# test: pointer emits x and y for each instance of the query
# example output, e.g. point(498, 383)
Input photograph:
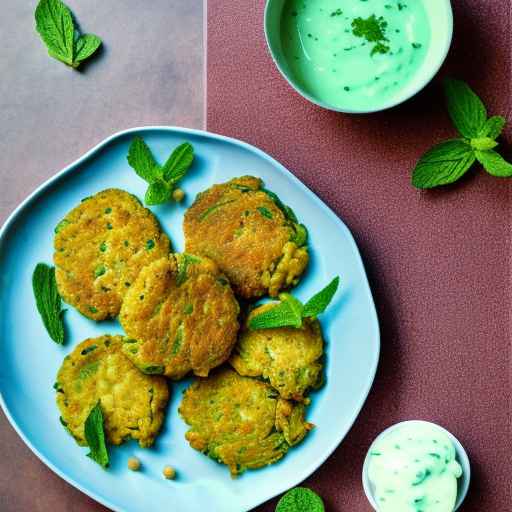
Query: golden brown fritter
point(133, 404)
point(100, 247)
point(181, 315)
point(250, 234)
point(289, 358)
point(241, 422)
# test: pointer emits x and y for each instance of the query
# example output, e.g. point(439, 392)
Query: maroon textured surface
point(438, 261)
point(149, 72)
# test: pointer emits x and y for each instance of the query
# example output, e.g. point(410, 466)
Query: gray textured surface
point(148, 72)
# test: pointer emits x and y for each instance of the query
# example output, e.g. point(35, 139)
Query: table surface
point(149, 72)
point(438, 262)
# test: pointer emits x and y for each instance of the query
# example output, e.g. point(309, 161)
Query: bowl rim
point(461, 457)
point(428, 77)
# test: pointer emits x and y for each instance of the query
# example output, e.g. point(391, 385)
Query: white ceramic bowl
point(440, 16)
point(461, 457)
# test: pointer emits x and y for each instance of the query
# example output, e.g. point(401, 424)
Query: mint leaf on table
point(290, 312)
point(443, 164)
point(493, 127)
point(466, 109)
point(48, 301)
point(55, 25)
point(162, 180)
point(85, 46)
point(300, 499)
point(95, 436)
point(494, 163)
point(448, 161)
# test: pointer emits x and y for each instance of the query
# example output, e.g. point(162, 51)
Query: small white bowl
point(461, 457)
point(440, 15)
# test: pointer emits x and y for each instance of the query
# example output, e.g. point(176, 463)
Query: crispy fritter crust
point(133, 404)
point(241, 228)
point(100, 247)
point(241, 422)
point(181, 315)
point(289, 358)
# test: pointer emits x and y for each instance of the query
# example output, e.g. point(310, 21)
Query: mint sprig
point(290, 312)
point(162, 180)
point(448, 161)
point(55, 25)
point(48, 301)
point(300, 499)
point(95, 436)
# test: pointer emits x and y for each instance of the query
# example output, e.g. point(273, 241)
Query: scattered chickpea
point(169, 473)
point(133, 463)
point(178, 195)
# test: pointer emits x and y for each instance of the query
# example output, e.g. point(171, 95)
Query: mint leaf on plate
point(319, 302)
point(48, 301)
point(300, 499)
point(141, 160)
point(466, 109)
point(290, 311)
point(178, 163)
point(162, 180)
point(494, 163)
point(95, 436)
point(443, 164)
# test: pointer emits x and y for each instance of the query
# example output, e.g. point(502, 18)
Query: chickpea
point(133, 463)
point(169, 473)
point(178, 195)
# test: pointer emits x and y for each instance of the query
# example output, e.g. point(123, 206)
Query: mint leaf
point(483, 143)
point(466, 109)
point(319, 302)
point(95, 436)
point(494, 163)
point(295, 304)
point(300, 499)
point(85, 46)
point(178, 163)
point(443, 164)
point(282, 314)
point(493, 127)
point(48, 301)
point(157, 193)
point(142, 161)
point(55, 26)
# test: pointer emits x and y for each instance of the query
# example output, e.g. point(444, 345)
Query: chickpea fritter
point(289, 358)
point(133, 404)
point(254, 238)
point(100, 247)
point(181, 316)
point(241, 422)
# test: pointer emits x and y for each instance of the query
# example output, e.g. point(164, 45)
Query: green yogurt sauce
point(413, 469)
point(354, 53)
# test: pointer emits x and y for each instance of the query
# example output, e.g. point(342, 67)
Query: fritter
point(289, 358)
point(253, 237)
point(241, 422)
point(133, 404)
point(100, 247)
point(180, 315)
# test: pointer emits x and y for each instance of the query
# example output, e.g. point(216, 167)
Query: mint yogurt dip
point(413, 468)
point(354, 53)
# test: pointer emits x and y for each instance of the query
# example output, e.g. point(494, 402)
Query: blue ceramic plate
point(29, 360)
